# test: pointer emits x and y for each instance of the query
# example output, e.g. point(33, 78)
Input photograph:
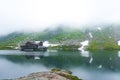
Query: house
point(33, 46)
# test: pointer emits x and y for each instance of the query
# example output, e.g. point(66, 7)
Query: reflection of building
point(32, 45)
point(34, 56)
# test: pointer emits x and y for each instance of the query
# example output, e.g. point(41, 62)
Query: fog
point(34, 15)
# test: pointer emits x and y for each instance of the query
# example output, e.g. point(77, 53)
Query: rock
point(54, 74)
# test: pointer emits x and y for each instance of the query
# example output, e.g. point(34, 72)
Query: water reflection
point(118, 53)
point(34, 56)
point(85, 53)
point(92, 62)
point(91, 59)
point(100, 66)
point(104, 59)
point(108, 60)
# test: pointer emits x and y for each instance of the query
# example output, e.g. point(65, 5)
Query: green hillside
point(106, 38)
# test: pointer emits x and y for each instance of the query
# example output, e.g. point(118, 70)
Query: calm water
point(99, 65)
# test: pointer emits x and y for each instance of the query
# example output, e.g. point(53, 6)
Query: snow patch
point(83, 52)
point(84, 44)
point(90, 34)
point(46, 44)
point(119, 43)
point(54, 45)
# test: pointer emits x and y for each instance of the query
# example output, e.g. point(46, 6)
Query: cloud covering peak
point(39, 14)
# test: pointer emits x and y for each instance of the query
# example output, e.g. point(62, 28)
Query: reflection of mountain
point(101, 60)
point(106, 59)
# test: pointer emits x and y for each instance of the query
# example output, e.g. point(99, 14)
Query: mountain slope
point(102, 37)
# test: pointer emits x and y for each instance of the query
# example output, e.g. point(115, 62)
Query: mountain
point(104, 37)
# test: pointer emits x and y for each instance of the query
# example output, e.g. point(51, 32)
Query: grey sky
point(39, 14)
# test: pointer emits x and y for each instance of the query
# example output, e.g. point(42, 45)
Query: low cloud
point(39, 14)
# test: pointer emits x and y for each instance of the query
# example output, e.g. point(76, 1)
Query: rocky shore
point(54, 74)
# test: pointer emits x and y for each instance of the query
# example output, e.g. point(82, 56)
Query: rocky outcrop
point(54, 74)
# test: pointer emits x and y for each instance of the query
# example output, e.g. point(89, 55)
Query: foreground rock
point(54, 74)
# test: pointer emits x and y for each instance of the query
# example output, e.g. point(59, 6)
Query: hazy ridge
point(104, 37)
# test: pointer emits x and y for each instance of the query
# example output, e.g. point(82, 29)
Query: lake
point(96, 65)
